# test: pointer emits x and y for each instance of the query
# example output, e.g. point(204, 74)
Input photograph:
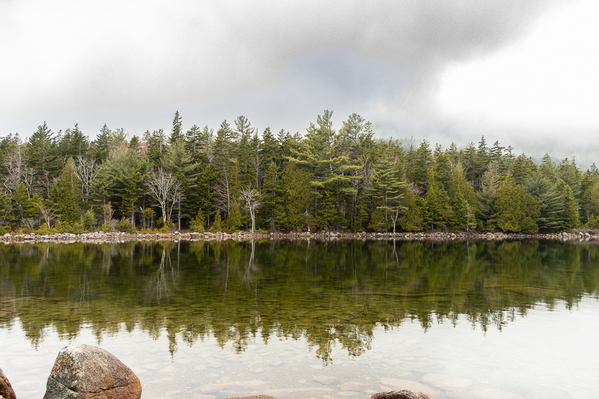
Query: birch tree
point(86, 171)
point(165, 189)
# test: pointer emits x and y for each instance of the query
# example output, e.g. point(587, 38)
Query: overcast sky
point(522, 72)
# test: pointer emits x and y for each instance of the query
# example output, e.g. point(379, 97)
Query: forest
point(237, 178)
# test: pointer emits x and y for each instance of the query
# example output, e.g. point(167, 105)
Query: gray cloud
point(131, 64)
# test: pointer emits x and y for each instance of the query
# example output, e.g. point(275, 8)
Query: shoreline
point(116, 237)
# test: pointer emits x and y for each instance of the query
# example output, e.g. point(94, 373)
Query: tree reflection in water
point(326, 292)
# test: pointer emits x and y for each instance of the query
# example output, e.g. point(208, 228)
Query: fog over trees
point(239, 178)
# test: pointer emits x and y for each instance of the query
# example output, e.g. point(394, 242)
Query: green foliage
point(89, 220)
point(199, 222)
point(297, 196)
point(378, 221)
point(570, 215)
point(233, 220)
point(414, 214)
point(109, 226)
point(549, 200)
point(485, 206)
point(516, 210)
point(329, 179)
point(67, 194)
point(217, 225)
point(125, 224)
point(593, 223)
point(147, 216)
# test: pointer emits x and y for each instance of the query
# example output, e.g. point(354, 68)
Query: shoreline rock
point(120, 237)
point(6, 391)
point(85, 371)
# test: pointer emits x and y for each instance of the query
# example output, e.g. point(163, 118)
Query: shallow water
point(297, 320)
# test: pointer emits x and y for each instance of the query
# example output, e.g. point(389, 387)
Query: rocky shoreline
point(115, 237)
point(86, 372)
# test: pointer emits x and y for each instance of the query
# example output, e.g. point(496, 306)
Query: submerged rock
point(85, 371)
point(6, 391)
point(403, 394)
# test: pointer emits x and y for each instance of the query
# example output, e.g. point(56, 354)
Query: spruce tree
point(177, 131)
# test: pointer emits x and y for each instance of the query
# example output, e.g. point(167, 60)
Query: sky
point(521, 73)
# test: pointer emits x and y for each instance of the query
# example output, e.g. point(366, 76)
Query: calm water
point(299, 320)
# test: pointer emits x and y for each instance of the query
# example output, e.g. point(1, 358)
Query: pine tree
point(388, 189)
point(549, 200)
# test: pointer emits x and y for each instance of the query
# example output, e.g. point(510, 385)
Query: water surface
point(310, 319)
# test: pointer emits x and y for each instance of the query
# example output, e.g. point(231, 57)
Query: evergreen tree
point(522, 169)
point(436, 205)
point(72, 144)
point(413, 219)
point(122, 179)
point(234, 219)
point(102, 145)
point(570, 215)
point(549, 201)
point(247, 172)
point(420, 166)
point(485, 206)
point(570, 174)
point(40, 153)
point(297, 196)
point(217, 226)
point(180, 163)
point(157, 146)
point(442, 168)
point(20, 208)
point(388, 189)
point(67, 194)
point(516, 210)
point(271, 194)
point(177, 131)
point(330, 169)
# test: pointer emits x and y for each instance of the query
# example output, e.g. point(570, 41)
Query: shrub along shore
point(102, 237)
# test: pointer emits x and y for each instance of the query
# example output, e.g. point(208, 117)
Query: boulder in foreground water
point(84, 371)
point(403, 394)
point(6, 391)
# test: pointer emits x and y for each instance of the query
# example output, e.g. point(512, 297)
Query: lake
point(486, 319)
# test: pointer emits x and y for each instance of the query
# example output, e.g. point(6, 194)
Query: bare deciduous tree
point(251, 197)
point(165, 189)
point(86, 171)
point(48, 212)
point(14, 164)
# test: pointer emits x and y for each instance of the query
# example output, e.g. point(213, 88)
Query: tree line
point(238, 178)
